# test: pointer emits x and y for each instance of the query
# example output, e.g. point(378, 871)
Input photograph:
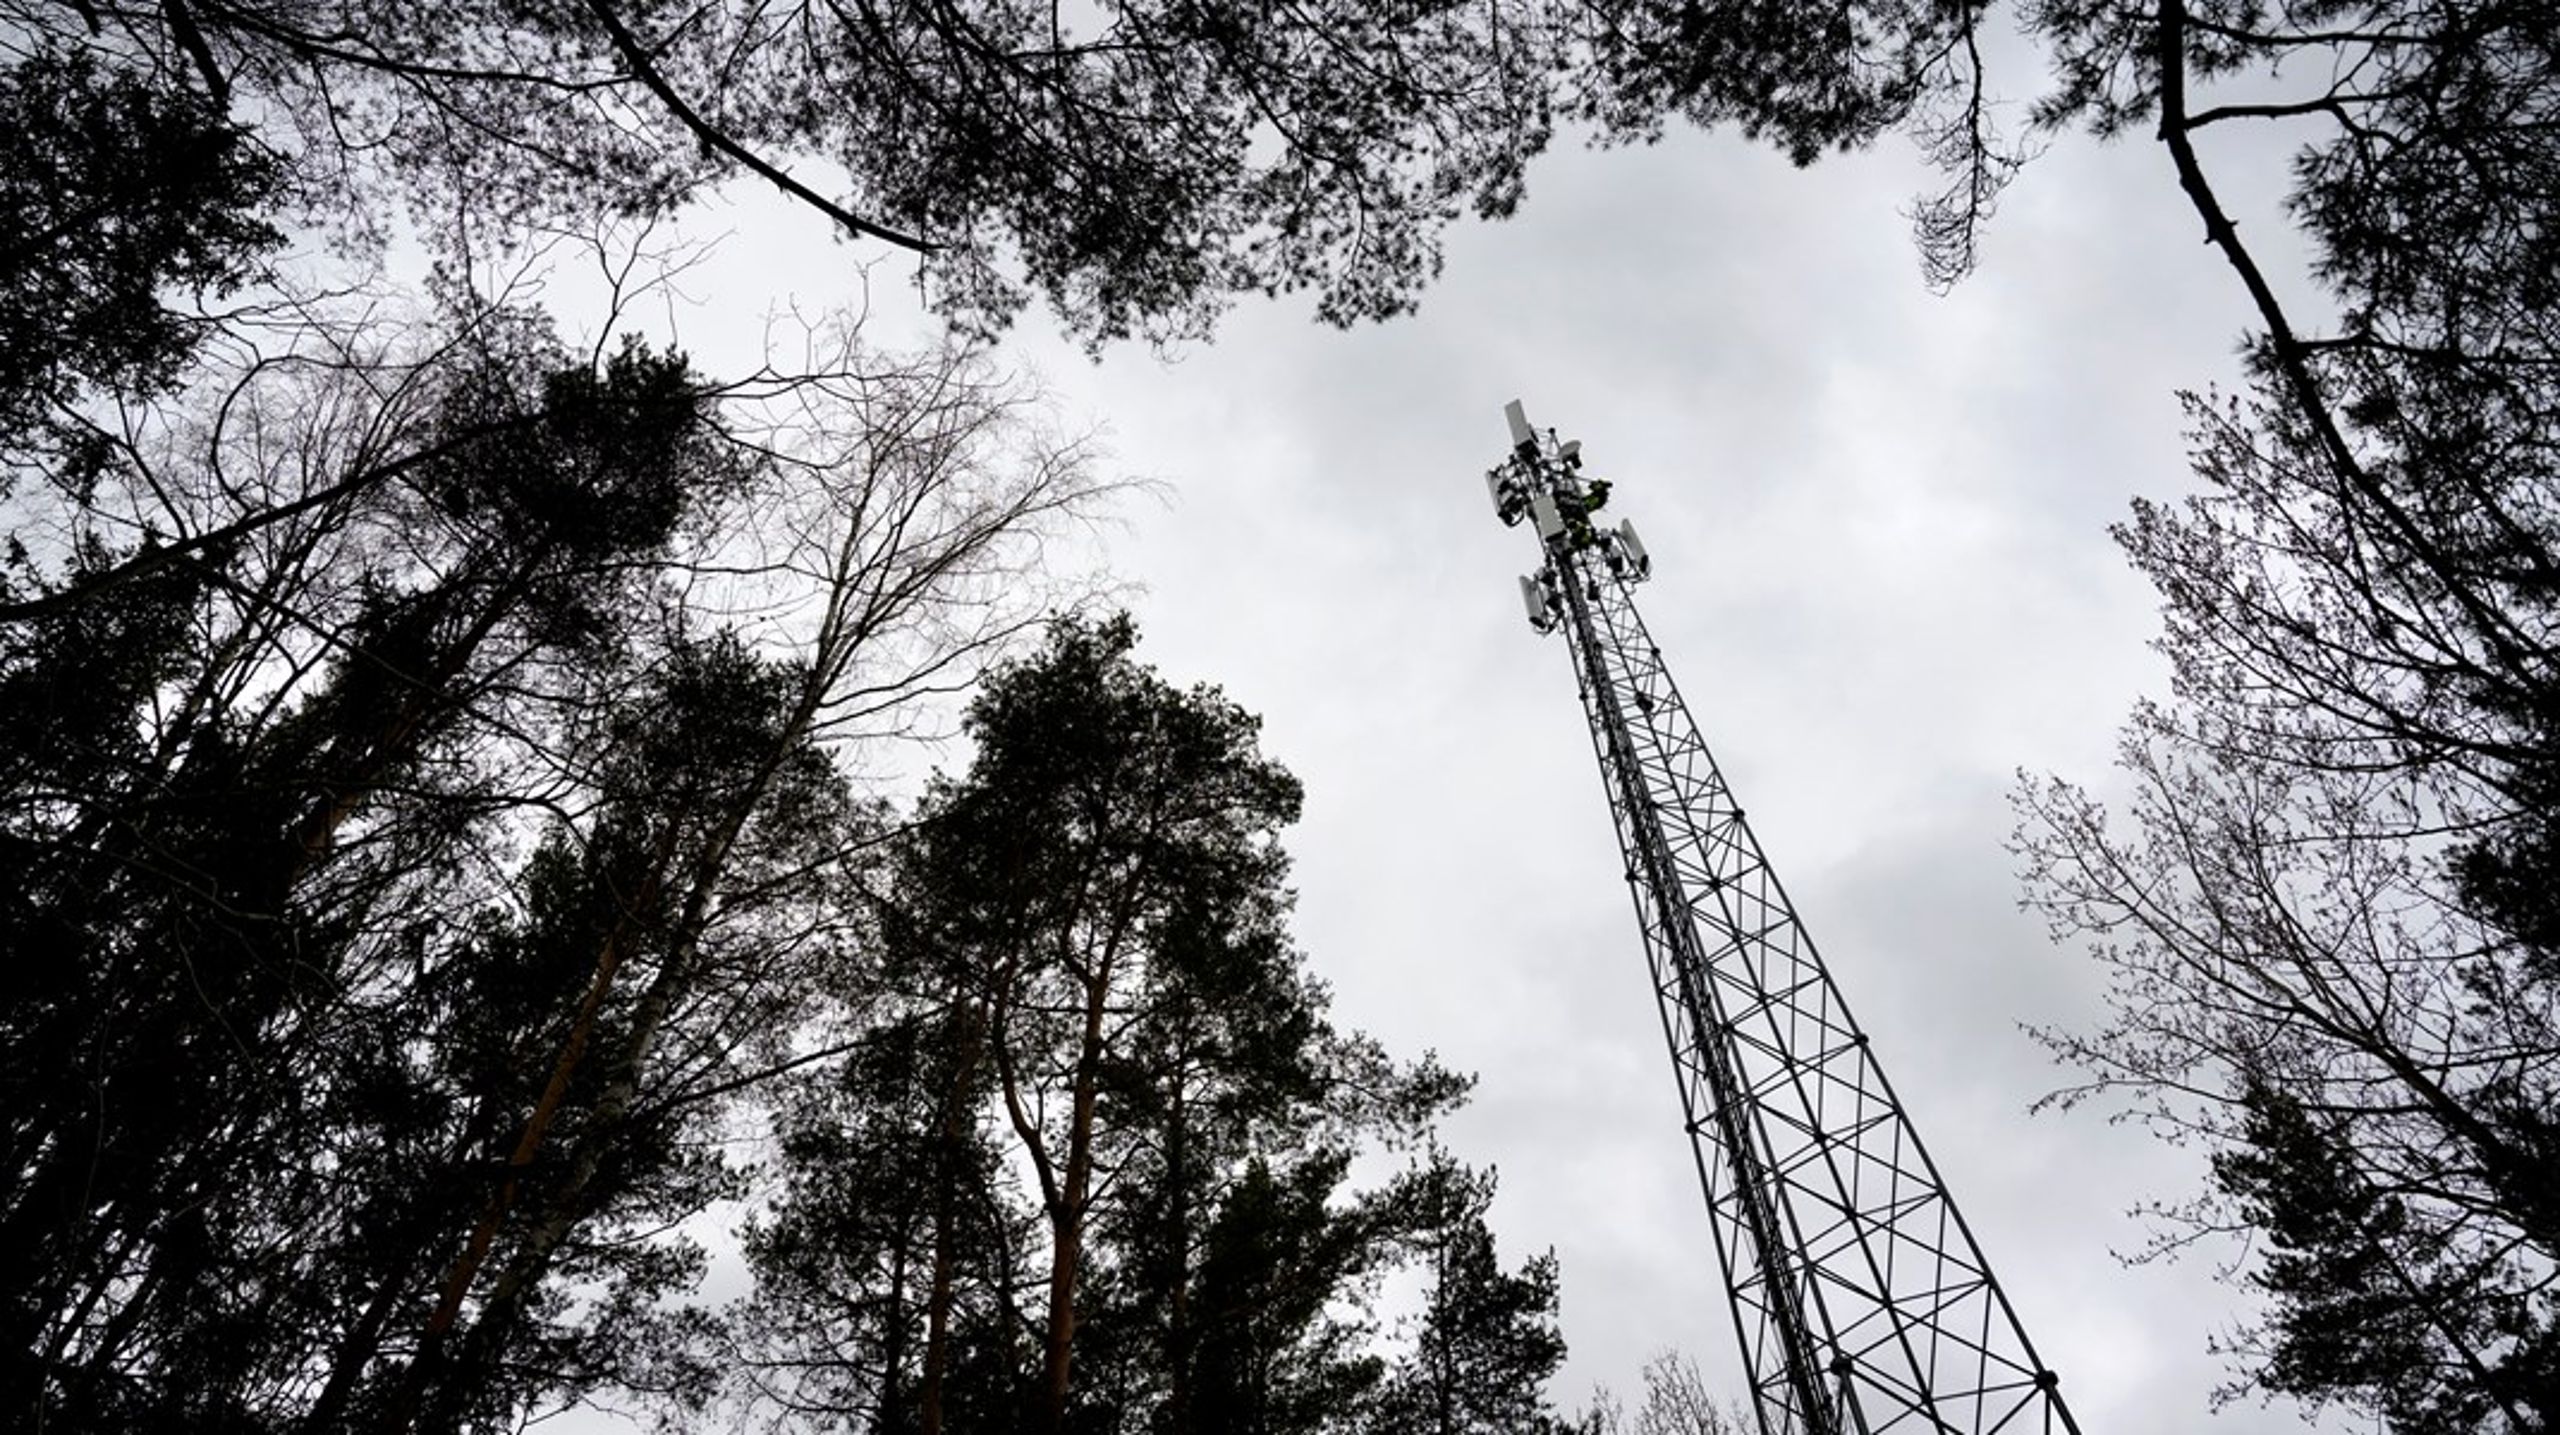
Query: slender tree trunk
point(1066, 1254)
point(569, 1206)
point(355, 1353)
point(967, 1034)
point(76, 1409)
point(464, 1270)
point(1177, 1238)
point(396, 1275)
point(937, 1329)
point(459, 1276)
point(1443, 1393)
point(892, 1415)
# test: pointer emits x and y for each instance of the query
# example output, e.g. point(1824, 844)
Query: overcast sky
point(1878, 522)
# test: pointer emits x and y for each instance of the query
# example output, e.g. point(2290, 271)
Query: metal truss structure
point(1863, 1303)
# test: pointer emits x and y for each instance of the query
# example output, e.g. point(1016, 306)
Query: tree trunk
point(937, 1327)
point(967, 1031)
point(570, 1205)
point(1066, 1222)
point(355, 1353)
point(1177, 1239)
point(891, 1417)
point(676, 967)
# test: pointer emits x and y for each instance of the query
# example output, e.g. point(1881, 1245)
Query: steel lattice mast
point(1863, 1303)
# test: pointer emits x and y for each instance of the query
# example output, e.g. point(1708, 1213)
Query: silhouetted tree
point(894, 1246)
point(211, 914)
point(2367, 1299)
point(1485, 1342)
point(1112, 838)
point(119, 196)
point(1092, 1031)
point(327, 1108)
point(1267, 1347)
point(2329, 924)
point(1677, 1402)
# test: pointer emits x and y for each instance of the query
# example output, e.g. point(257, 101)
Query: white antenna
point(1635, 547)
point(1542, 610)
point(1523, 437)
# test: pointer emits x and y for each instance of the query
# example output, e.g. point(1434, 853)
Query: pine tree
point(1086, 977)
point(1485, 1342)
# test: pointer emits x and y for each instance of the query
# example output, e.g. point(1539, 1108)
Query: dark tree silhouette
point(2330, 923)
point(1089, 1168)
point(118, 196)
point(327, 1106)
point(1485, 1342)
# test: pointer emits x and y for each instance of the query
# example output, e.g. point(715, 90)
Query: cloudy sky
point(1882, 578)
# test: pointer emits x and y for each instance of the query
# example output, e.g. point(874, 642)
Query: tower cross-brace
point(1863, 1303)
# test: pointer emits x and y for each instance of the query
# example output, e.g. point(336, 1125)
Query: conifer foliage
point(1115, 1196)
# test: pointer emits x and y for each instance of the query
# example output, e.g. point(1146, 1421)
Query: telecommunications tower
point(1863, 1304)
